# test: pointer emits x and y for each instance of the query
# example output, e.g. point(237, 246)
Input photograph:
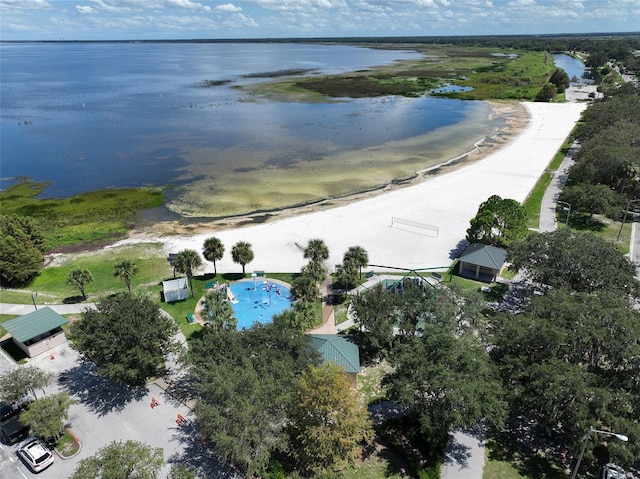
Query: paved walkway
point(464, 455)
point(550, 199)
point(20, 309)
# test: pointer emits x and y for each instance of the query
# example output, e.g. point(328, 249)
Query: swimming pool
point(258, 301)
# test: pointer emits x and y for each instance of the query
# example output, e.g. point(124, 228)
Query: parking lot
point(108, 412)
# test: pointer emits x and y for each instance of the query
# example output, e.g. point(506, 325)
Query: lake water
point(573, 67)
point(88, 116)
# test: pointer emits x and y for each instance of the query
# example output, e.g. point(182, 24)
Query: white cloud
point(187, 4)
point(21, 5)
point(85, 9)
point(229, 8)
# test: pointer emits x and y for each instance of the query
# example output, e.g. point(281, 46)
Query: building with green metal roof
point(37, 331)
point(340, 351)
point(482, 262)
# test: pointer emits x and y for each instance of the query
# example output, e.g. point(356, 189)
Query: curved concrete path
point(549, 203)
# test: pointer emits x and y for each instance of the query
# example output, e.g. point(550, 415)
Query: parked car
point(7, 411)
point(35, 454)
point(12, 430)
point(612, 471)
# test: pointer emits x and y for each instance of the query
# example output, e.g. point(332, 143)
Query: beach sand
point(445, 202)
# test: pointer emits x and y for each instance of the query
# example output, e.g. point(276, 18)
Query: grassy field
point(489, 76)
point(82, 219)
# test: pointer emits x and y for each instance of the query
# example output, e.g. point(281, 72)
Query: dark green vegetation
point(519, 76)
point(127, 337)
point(83, 219)
point(21, 250)
point(499, 222)
point(122, 459)
point(604, 178)
point(569, 360)
point(244, 382)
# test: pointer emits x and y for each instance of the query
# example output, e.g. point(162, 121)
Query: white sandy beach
point(447, 200)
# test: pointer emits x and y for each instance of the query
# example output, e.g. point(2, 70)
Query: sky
point(245, 19)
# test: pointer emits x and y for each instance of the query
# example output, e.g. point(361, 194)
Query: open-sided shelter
point(38, 331)
point(482, 262)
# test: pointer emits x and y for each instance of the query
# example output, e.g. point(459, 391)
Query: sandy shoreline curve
point(441, 203)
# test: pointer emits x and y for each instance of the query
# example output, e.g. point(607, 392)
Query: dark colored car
point(7, 411)
point(612, 471)
point(13, 430)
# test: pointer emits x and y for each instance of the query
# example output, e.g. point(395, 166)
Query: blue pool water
point(259, 303)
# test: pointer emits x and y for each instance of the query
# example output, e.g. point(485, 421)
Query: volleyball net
point(414, 226)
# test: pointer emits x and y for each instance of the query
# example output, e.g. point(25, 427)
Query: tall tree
point(125, 270)
point(304, 288)
point(244, 379)
point(185, 262)
point(213, 251)
point(358, 255)
point(446, 381)
point(547, 93)
point(347, 274)
point(218, 312)
point(565, 362)
point(329, 424)
point(242, 253)
point(560, 80)
point(316, 250)
point(45, 416)
point(21, 250)
point(79, 279)
point(499, 222)
point(299, 317)
point(17, 382)
point(579, 261)
point(129, 459)
point(126, 336)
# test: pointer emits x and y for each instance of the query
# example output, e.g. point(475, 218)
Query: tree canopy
point(328, 422)
point(217, 311)
point(244, 381)
point(316, 250)
point(18, 382)
point(186, 262)
point(21, 250)
point(45, 416)
point(499, 222)
point(575, 260)
point(358, 256)
point(242, 253)
point(213, 251)
point(127, 336)
point(126, 460)
point(125, 270)
point(79, 279)
point(570, 360)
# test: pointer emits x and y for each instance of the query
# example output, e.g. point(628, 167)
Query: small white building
point(175, 290)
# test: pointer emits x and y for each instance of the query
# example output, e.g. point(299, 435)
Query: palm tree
point(125, 270)
point(358, 256)
point(79, 278)
point(304, 288)
point(316, 250)
point(219, 311)
point(185, 262)
point(213, 251)
point(242, 253)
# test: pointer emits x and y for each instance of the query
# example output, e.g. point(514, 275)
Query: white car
point(35, 454)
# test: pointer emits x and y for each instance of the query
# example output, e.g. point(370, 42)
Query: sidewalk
point(20, 309)
point(551, 195)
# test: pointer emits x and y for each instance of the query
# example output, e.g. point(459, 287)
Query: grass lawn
point(501, 464)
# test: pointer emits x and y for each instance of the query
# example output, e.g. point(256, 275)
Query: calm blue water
point(92, 116)
point(573, 67)
point(260, 303)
